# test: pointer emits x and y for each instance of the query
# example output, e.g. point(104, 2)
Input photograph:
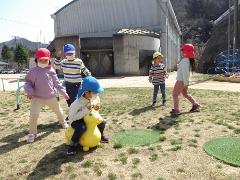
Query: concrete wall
point(126, 52)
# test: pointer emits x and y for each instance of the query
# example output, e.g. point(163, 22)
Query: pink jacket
point(40, 83)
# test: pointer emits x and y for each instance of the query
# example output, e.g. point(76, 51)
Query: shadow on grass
point(12, 140)
point(168, 121)
point(165, 123)
point(51, 163)
point(136, 112)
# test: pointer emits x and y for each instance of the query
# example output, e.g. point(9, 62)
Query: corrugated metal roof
point(106, 17)
point(121, 10)
point(64, 7)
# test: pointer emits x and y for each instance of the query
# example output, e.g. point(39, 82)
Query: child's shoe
point(64, 125)
point(66, 119)
point(104, 139)
point(72, 150)
point(195, 107)
point(31, 138)
point(164, 102)
point(174, 112)
point(154, 103)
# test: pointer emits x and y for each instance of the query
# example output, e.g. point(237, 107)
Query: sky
point(30, 19)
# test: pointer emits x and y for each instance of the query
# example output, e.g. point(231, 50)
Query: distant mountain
point(29, 44)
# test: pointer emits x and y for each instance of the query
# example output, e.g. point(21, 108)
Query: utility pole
point(15, 38)
point(229, 30)
point(167, 58)
point(235, 28)
point(40, 38)
point(235, 32)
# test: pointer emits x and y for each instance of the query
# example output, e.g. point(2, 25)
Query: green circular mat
point(136, 137)
point(226, 149)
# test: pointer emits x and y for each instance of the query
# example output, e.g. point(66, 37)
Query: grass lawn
point(225, 149)
point(177, 154)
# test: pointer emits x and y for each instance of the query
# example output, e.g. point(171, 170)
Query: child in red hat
point(39, 87)
point(183, 74)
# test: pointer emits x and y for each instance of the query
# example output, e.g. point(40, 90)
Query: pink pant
point(177, 90)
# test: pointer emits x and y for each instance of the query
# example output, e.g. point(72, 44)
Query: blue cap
point(90, 83)
point(68, 48)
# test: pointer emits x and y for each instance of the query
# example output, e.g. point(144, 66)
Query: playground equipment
point(91, 138)
point(18, 97)
point(19, 88)
point(227, 61)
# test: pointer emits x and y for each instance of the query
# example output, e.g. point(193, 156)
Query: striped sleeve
point(84, 70)
point(73, 70)
point(57, 64)
point(150, 73)
point(164, 70)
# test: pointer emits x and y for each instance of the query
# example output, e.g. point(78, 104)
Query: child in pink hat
point(183, 73)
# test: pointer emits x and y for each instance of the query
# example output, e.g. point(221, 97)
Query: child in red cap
point(39, 87)
point(183, 73)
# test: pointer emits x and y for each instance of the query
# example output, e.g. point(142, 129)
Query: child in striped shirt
point(73, 68)
point(56, 62)
point(157, 75)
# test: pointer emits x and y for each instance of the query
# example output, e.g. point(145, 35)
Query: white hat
point(156, 54)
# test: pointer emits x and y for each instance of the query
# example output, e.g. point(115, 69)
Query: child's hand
point(66, 97)
point(89, 107)
point(97, 107)
point(167, 75)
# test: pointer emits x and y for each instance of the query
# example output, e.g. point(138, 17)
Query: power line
point(27, 24)
point(21, 22)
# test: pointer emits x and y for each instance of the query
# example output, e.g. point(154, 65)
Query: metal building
point(118, 37)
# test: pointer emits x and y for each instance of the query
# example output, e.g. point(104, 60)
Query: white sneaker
point(31, 137)
point(65, 125)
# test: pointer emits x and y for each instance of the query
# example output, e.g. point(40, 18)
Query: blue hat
point(68, 48)
point(90, 83)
